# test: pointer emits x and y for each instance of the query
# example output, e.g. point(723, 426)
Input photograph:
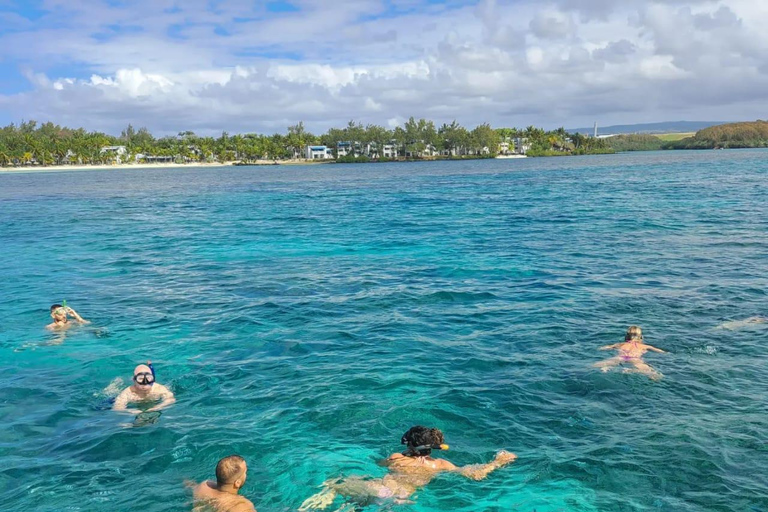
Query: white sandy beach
point(97, 167)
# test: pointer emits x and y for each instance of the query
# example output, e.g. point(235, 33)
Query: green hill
point(731, 135)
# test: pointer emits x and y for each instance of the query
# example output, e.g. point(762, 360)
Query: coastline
point(173, 165)
point(165, 165)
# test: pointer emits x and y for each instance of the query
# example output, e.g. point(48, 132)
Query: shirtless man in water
point(408, 471)
point(631, 351)
point(222, 495)
point(60, 315)
point(144, 389)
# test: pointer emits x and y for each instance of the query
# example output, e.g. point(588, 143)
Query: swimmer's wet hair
point(420, 436)
point(55, 307)
point(634, 333)
point(228, 469)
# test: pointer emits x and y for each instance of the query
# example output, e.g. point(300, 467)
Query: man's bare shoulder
point(244, 505)
point(444, 465)
point(206, 492)
point(392, 460)
point(202, 490)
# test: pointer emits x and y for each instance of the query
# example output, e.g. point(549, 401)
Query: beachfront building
point(153, 159)
point(421, 149)
point(114, 153)
point(521, 145)
point(318, 153)
point(457, 151)
point(371, 150)
point(344, 148)
point(389, 151)
point(71, 158)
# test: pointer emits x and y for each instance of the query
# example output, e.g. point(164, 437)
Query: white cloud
point(509, 63)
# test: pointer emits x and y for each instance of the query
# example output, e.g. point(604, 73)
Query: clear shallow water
point(307, 316)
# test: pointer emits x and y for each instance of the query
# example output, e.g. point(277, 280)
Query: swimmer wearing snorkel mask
point(409, 470)
point(144, 389)
point(60, 314)
point(631, 351)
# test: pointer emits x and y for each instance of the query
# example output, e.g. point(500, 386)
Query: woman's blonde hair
point(634, 333)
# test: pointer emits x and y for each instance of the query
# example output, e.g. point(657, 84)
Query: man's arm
point(77, 317)
point(122, 400)
point(480, 471)
point(166, 395)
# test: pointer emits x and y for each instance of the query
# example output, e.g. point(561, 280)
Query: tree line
point(50, 144)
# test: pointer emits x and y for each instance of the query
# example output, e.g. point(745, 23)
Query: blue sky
point(244, 66)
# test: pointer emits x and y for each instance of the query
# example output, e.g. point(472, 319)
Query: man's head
point(231, 471)
point(422, 440)
point(143, 378)
point(59, 313)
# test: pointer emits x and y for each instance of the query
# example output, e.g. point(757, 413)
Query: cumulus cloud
point(237, 66)
point(552, 25)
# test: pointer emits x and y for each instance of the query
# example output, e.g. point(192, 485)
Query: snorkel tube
point(430, 447)
point(151, 368)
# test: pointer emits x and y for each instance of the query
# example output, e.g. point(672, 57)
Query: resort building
point(521, 145)
point(318, 153)
point(114, 152)
point(371, 150)
point(388, 151)
point(421, 150)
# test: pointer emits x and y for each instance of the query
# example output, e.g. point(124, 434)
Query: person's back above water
point(60, 314)
point(408, 471)
point(631, 351)
point(222, 495)
point(144, 389)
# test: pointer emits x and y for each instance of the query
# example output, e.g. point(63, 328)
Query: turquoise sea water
point(306, 317)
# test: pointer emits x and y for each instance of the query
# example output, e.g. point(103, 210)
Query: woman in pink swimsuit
point(631, 351)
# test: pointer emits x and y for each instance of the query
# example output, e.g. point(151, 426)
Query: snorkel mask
point(61, 310)
point(145, 378)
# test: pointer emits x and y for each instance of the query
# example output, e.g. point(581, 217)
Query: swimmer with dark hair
point(631, 351)
point(408, 471)
point(144, 389)
point(60, 314)
point(222, 495)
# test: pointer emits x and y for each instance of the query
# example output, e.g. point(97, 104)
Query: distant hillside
point(634, 142)
point(668, 127)
point(730, 135)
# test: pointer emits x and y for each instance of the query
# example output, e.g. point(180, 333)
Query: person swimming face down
point(420, 441)
point(408, 471)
